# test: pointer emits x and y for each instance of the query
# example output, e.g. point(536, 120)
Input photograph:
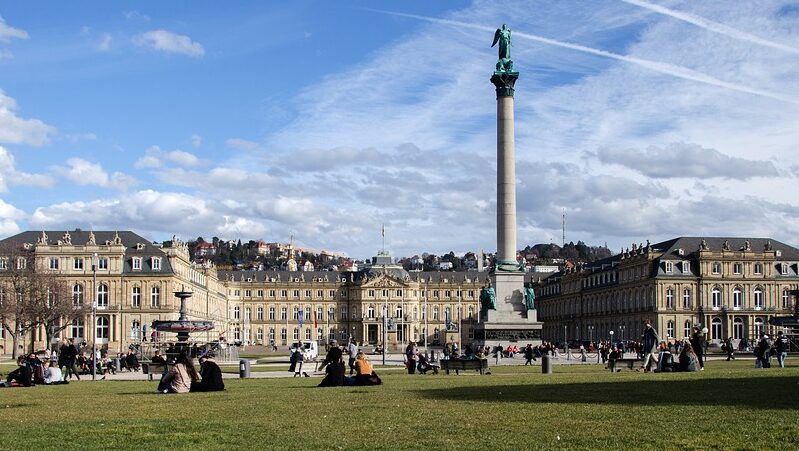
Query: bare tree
point(59, 309)
point(20, 293)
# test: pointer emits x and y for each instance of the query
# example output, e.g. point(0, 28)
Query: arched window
point(259, 315)
point(716, 298)
point(283, 335)
point(77, 328)
point(237, 313)
point(296, 333)
point(670, 329)
point(686, 298)
point(248, 314)
point(370, 312)
point(716, 329)
point(669, 298)
point(738, 331)
point(259, 335)
point(435, 333)
point(102, 296)
point(102, 328)
point(687, 329)
point(398, 311)
point(786, 299)
point(135, 330)
point(435, 313)
point(758, 328)
point(135, 297)
point(758, 295)
point(77, 294)
point(308, 334)
point(737, 298)
point(155, 297)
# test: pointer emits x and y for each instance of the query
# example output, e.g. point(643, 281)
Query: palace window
point(737, 268)
point(669, 298)
point(53, 263)
point(155, 262)
point(135, 297)
point(758, 328)
point(669, 267)
point(3, 263)
point(758, 295)
point(77, 328)
point(136, 263)
point(308, 334)
point(247, 293)
point(272, 293)
point(307, 293)
point(758, 268)
point(271, 334)
point(343, 312)
point(237, 313)
point(783, 269)
point(370, 293)
point(331, 314)
point(102, 328)
point(259, 335)
point(715, 328)
point(77, 294)
point(283, 313)
point(670, 329)
point(247, 314)
point(296, 314)
point(320, 294)
point(260, 293)
point(398, 311)
point(102, 263)
point(320, 313)
point(686, 298)
point(296, 293)
point(737, 299)
point(102, 296)
point(399, 293)
point(738, 328)
point(271, 313)
point(435, 313)
point(687, 329)
point(716, 268)
point(686, 267)
point(370, 312)
point(77, 264)
point(716, 298)
point(155, 297)
point(284, 293)
point(283, 334)
point(786, 299)
point(308, 312)
point(259, 313)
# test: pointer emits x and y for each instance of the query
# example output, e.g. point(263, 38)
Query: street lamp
point(94, 316)
point(621, 330)
point(611, 338)
point(385, 336)
point(591, 333)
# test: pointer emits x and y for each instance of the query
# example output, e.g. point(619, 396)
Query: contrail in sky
point(710, 25)
point(656, 66)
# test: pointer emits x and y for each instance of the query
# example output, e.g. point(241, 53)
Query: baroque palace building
point(134, 286)
point(136, 279)
point(732, 286)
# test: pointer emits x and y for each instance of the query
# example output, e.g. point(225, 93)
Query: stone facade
point(135, 281)
point(732, 286)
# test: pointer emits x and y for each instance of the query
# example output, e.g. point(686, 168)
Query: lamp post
point(704, 331)
point(591, 334)
point(385, 336)
point(425, 320)
point(94, 317)
point(621, 330)
point(611, 338)
point(564, 340)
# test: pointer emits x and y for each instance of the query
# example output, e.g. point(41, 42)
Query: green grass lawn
point(729, 406)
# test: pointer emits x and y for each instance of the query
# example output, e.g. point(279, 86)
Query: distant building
point(732, 286)
point(544, 268)
point(204, 249)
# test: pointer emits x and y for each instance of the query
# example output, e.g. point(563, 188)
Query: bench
point(150, 368)
point(629, 362)
point(457, 364)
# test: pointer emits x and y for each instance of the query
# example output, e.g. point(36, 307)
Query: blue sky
point(324, 120)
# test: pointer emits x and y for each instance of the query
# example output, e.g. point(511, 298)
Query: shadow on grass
point(759, 392)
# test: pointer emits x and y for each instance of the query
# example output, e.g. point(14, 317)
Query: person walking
point(410, 354)
point(352, 349)
point(698, 346)
point(730, 349)
point(528, 355)
point(70, 358)
point(650, 343)
point(763, 352)
point(781, 347)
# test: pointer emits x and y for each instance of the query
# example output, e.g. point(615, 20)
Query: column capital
point(504, 81)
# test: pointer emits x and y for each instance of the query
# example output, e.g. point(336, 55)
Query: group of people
point(31, 371)
point(766, 348)
point(182, 377)
point(361, 370)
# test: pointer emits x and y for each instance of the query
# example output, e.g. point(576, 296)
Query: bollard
point(546, 364)
point(118, 364)
point(244, 369)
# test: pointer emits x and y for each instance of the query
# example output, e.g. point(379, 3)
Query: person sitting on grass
point(53, 375)
point(365, 374)
point(334, 367)
point(22, 376)
point(158, 359)
point(688, 360)
point(211, 376)
point(178, 379)
point(665, 359)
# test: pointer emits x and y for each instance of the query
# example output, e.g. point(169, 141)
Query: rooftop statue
point(503, 36)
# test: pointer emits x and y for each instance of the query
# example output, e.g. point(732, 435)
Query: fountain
point(183, 326)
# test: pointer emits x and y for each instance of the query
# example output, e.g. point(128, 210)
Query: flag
point(383, 230)
point(302, 314)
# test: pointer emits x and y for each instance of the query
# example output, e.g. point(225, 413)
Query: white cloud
point(83, 172)
point(147, 161)
point(7, 32)
point(196, 141)
point(105, 42)
point(169, 42)
point(182, 158)
point(15, 130)
point(136, 15)
point(6, 54)
point(10, 176)
point(242, 144)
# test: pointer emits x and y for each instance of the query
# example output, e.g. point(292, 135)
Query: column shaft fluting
point(506, 181)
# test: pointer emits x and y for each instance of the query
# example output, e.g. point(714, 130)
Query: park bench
point(629, 362)
point(150, 368)
point(457, 364)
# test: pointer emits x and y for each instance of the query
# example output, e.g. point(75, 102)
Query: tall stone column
point(506, 172)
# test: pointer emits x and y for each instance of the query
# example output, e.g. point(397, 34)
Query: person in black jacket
point(211, 376)
point(335, 368)
point(650, 342)
point(698, 345)
point(781, 347)
point(23, 375)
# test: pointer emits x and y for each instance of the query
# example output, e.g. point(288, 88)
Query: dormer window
point(783, 268)
point(669, 267)
point(686, 267)
point(156, 263)
point(137, 263)
point(21, 263)
point(139, 246)
point(3, 263)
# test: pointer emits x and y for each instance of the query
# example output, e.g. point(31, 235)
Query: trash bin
point(117, 364)
point(244, 369)
point(546, 364)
